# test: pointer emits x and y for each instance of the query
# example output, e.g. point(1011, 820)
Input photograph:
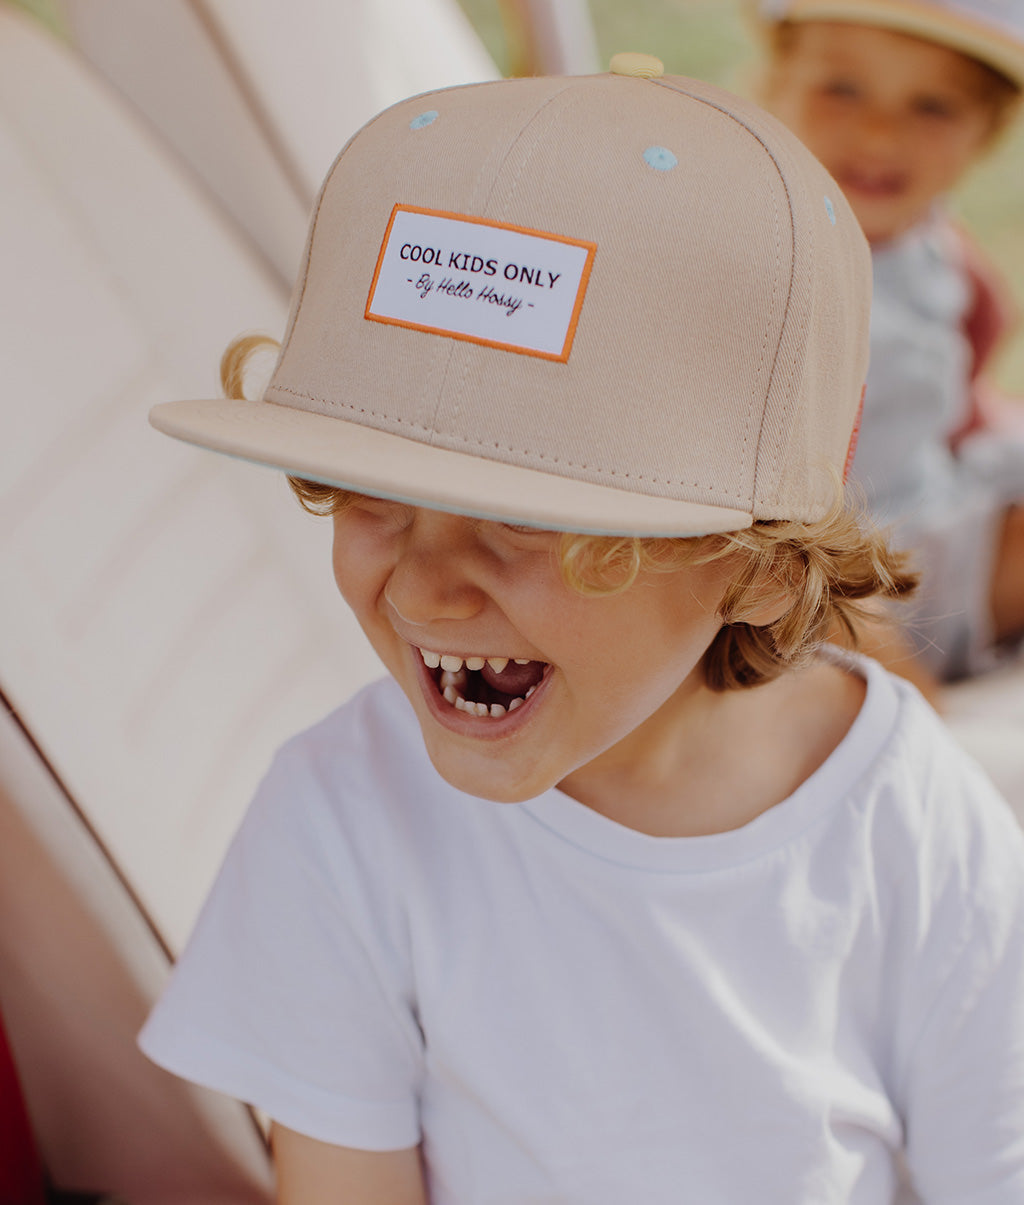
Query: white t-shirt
point(565, 1010)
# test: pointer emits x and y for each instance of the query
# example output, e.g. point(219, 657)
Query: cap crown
point(705, 366)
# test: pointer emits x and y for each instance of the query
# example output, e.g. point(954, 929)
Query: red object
point(851, 450)
point(991, 316)
point(21, 1176)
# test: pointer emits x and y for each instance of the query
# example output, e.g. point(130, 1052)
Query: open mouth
point(484, 686)
point(880, 184)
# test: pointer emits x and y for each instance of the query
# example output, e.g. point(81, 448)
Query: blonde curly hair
point(825, 571)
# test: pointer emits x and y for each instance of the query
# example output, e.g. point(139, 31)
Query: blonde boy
point(898, 98)
point(620, 887)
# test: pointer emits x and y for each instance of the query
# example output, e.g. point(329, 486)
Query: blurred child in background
point(898, 100)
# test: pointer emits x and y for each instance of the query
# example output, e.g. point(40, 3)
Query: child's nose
point(879, 131)
point(437, 574)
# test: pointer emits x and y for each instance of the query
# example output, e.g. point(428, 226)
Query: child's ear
point(1004, 115)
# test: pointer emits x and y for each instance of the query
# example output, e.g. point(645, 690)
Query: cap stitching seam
point(514, 182)
point(757, 496)
point(486, 443)
point(764, 342)
point(452, 364)
point(767, 499)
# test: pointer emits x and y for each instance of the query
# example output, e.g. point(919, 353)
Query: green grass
point(710, 39)
point(47, 11)
point(991, 203)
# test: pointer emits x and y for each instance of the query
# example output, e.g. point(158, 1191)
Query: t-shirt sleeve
point(294, 991)
point(964, 1079)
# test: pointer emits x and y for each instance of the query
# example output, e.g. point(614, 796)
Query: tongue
point(514, 679)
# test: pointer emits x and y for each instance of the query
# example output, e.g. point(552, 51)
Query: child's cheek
point(356, 568)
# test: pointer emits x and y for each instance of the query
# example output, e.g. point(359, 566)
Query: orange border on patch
point(561, 357)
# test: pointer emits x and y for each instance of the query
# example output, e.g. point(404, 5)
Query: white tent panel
point(349, 60)
point(79, 971)
point(167, 617)
point(986, 715)
point(259, 98)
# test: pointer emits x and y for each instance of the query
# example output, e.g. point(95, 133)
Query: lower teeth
point(495, 710)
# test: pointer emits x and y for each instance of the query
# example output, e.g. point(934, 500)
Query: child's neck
point(925, 220)
point(708, 762)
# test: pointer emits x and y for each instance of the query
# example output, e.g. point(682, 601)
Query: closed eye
point(396, 514)
point(935, 106)
point(841, 89)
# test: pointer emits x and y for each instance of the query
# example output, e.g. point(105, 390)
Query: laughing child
point(620, 887)
point(898, 98)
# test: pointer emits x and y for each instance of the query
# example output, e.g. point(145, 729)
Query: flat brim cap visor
point(701, 369)
point(382, 465)
point(991, 31)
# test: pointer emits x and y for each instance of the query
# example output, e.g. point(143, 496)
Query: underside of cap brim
point(370, 461)
point(933, 22)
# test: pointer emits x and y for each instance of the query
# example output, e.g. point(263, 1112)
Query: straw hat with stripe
point(991, 31)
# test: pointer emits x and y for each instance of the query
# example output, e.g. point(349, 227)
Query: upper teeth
point(453, 682)
point(453, 664)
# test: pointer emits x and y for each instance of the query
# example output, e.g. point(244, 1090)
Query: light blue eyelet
point(424, 119)
point(830, 210)
point(660, 158)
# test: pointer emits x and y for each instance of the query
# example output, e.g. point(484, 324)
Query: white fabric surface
point(289, 83)
point(986, 715)
point(139, 574)
point(568, 1010)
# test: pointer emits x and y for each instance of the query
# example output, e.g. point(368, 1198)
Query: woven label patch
point(486, 282)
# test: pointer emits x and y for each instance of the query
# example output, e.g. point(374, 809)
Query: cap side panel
point(811, 399)
point(826, 347)
point(299, 288)
point(779, 425)
point(781, 367)
point(668, 374)
point(778, 412)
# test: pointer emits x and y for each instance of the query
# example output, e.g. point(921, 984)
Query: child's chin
point(881, 224)
point(493, 786)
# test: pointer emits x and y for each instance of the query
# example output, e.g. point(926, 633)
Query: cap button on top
point(641, 66)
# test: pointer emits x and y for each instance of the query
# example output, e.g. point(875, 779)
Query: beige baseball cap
point(619, 304)
point(991, 31)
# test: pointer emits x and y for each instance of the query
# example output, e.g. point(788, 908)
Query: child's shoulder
point(361, 776)
point(369, 748)
point(924, 800)
point(911, 748)
point(376, 716)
